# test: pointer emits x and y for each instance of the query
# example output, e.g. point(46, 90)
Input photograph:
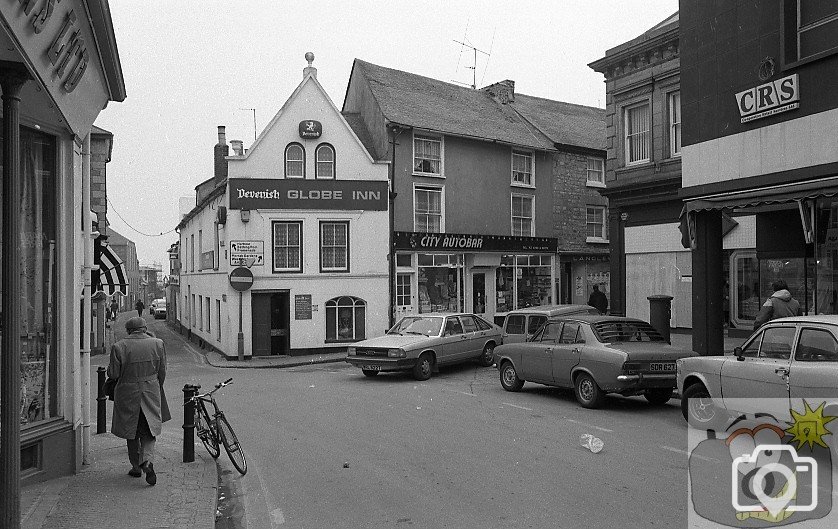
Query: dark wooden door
point(261, 309)
point(280, 323)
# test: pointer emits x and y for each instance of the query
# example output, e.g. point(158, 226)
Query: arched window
point(295, 161)
point(346, 319)
point(325, 161)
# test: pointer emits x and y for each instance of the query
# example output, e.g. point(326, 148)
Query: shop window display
point(523, 281)
point(39, 387)
point(440, 283)
point(827, 258)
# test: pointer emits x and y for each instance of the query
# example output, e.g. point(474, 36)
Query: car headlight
point(396, 353)
point(350, 351)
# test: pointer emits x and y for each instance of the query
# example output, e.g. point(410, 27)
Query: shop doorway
point(271, 321)
point(478, 293)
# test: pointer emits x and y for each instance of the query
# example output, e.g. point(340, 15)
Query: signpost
point(241, 279)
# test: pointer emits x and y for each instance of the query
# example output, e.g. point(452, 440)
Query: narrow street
point(328, 447)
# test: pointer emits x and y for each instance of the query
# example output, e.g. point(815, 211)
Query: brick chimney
point(238, 147)
point(503, 91)
point(222, 150)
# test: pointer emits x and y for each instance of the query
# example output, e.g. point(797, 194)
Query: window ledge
point(594, 183)
point(428, 175)
point(597, 240)
point(525, 186)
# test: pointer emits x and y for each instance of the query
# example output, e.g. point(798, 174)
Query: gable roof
point(425, 103)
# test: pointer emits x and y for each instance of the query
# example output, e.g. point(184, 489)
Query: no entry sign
point(241, 279)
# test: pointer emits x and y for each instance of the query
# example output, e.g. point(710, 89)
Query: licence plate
point(662, 366)
point(371, 368)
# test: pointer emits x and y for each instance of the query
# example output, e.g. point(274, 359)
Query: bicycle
point(212, 430)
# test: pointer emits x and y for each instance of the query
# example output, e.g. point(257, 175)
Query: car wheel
point(488, 356)
point(587, 391)
point(658, 396)
point(369, 372)
point(509, 377)
point(698, 408)
point(424, 366)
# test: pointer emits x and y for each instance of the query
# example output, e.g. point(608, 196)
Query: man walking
point(598, 300)
point(779, 305)
point(139, 305)
point(138, 363)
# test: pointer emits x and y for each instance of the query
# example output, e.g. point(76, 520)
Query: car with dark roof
point(594, 355)
point(421, 343)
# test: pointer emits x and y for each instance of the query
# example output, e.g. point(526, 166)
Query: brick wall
point(99, 148)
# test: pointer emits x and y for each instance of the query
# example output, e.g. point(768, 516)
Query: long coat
point(138, 362)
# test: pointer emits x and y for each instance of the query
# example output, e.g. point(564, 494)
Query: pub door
point(261, 317)
point(280, 320)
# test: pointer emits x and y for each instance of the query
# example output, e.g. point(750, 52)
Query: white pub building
point(305, 210)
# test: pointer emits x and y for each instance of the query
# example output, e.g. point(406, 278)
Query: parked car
point(594, 355)
point(519, 325)
point(784, 361)
point(158, 308)
point(420, 343)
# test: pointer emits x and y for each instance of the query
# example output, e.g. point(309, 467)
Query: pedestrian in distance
point(779, 305)
point(138, 364)
point(114, 308)
point(139, 305)
point(598, 300)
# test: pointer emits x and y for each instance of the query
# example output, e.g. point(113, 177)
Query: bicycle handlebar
point(217, 387)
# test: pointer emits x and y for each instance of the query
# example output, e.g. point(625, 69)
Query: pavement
point(217, 359)
point(102, 495)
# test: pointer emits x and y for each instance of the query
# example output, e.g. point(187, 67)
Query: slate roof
point(426, 103)
point(564, 123)
point(356, 122)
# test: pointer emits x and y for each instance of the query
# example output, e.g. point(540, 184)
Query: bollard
point(101, 403)
point(189, 391)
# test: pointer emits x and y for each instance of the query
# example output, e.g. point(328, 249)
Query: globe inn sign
point(263, 193)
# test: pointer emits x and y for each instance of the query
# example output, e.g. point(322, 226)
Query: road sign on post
point(241, 279)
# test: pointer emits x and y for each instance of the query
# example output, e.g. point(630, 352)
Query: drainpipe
point(87, 319)
point(396, 130)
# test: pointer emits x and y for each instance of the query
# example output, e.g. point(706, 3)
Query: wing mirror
point(739, 355)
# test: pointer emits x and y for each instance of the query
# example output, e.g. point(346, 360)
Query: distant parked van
point(521, 324)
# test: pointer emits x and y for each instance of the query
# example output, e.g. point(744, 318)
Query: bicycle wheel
point(231, 444)
point(206, 431)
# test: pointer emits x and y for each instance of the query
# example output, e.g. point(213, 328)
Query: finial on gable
point(310, 70)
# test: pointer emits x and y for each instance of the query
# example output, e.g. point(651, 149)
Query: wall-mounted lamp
point(245, 213)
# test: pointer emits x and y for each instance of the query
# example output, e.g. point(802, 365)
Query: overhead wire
point(110, 204)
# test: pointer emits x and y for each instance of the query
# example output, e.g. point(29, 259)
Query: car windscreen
point(626, 331)
point(417, 325)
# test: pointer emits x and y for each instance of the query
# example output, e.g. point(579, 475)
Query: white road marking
point(464, 393)
point(688, 454)
point(516, 406)
point(600, 428)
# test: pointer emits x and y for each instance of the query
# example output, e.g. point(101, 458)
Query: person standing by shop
point(598, 300)
point(779, 305)
point(138, 364)
point(139, 305)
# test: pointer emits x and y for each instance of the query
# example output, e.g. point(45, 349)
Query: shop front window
point(38, 264)
point(345, 319)
point(440, 283)
point(827, 258)
point(524, 281)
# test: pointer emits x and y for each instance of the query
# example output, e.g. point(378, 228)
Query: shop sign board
point(302, 306)
point(274, 193)
point(310, 129)
point(769, 99)
point(241, 251)
point(458, 242)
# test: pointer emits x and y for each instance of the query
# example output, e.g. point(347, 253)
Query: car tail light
point(396, 353)
point(631, 368)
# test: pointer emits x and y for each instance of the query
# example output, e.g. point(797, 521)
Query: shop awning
point(800, 192)
point(779, 194)
point(112, 276)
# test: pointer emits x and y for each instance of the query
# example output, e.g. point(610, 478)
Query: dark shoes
point(135, 472)
point(150, 476)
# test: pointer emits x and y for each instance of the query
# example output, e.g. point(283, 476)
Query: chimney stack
point(238, 147)
point(503, 91)
point(310, 69)
point(222, 150)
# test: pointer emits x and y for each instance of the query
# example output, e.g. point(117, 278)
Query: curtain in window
point(325, 163)
point(521, 168)
point(637, 133)
point(294, 161)
point(521, 216)
point(428, 210)
point(427, 154)
point(334, 246)
point(286, 246)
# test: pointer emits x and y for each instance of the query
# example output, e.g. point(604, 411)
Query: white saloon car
point(786, 360)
